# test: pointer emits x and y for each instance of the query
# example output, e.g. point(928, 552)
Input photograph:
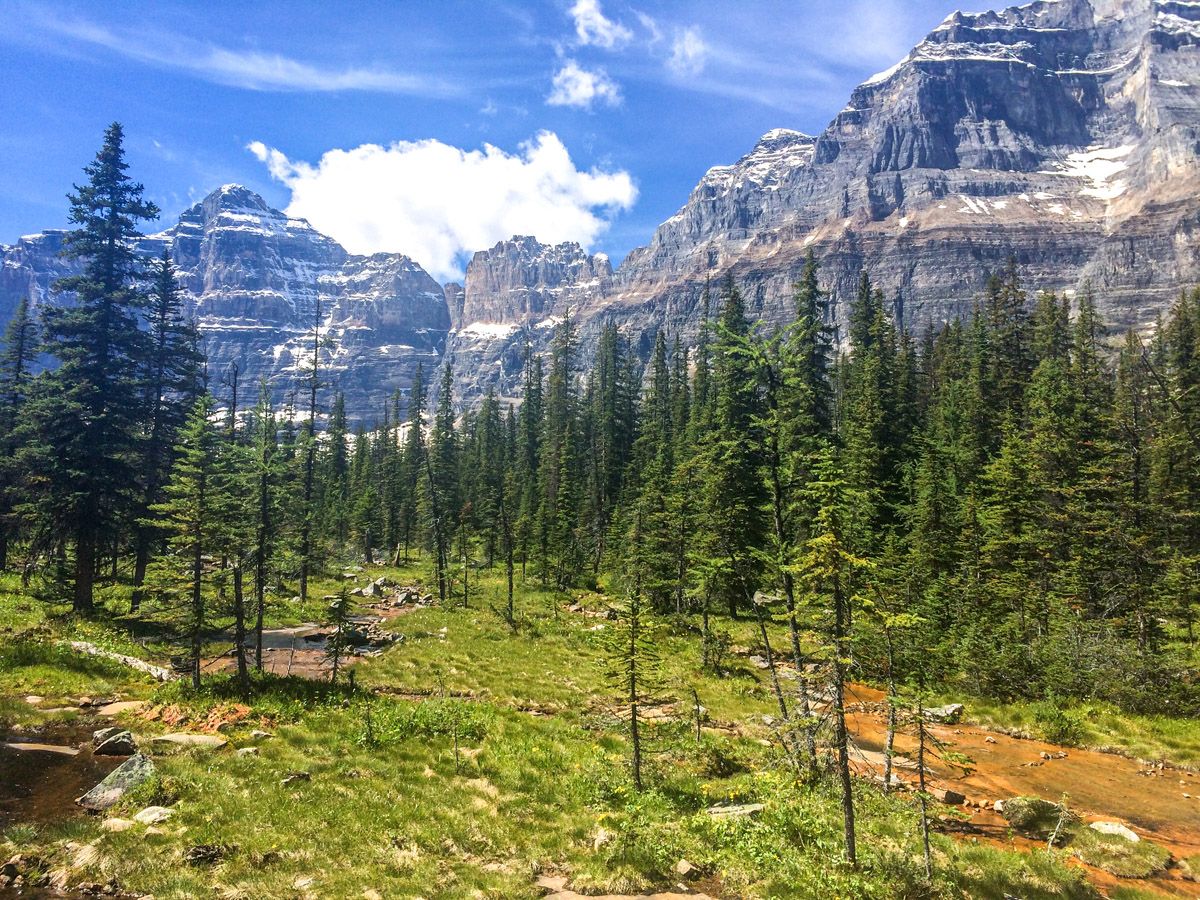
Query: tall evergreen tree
point(87, 413)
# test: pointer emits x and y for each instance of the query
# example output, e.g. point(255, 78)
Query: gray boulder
point(132, 773)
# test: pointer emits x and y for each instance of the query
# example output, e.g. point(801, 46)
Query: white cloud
point(438, 203)
point(247, 69)
point(651, 26)
point(689, 52)
point(576, 86)
point(593, 27)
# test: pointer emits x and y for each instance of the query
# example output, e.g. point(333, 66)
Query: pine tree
point(442, 475)
point(734, 495)
point(85, 421)
point(17, 356)
point(189, 515)
point(171, 385)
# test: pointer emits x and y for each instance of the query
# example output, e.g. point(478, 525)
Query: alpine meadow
point(841, 541)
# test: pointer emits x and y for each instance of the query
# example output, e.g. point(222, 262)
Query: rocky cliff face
point(258, 282)
point(1064, 132)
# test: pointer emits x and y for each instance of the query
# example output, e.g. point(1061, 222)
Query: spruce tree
point(18, 351)
point(171, 384)
point(87, 418)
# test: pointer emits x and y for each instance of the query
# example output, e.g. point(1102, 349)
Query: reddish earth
point(1098, 786)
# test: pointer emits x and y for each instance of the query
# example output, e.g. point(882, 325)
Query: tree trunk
point(922, 798)
point(85, 570)
point(239, 628)
point(841, 738)
point(197, 612)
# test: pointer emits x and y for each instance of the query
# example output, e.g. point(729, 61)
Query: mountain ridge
point(1065, 133)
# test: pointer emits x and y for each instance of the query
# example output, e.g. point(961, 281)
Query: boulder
point(132, 773)
point(685, 869)
point(153, 815)
point(207, 741)
point(945, 715)
point(948, 796)
point(1116, 829)
point(118, 743)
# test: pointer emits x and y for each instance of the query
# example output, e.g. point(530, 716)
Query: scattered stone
point(35, 700)
point(735, 811)
point(130, 774)
point(685, 869)
point(153, 815)
point(293, 777)
point(113, 742)
point(122, 706)
point(303, 882)
point(84, 702)
point(247, 751)
point(552, 883)
point(204, 854)
point(372, 894)
point(259, 735)
point(759, 662)
point(154, 831)
point(946, 715)
point(115, 824)
point(1045, 755)
point(1116, 829)
point(601, 838)
point(207, 741)
point(948, 796)
point(989, 740)
point(34, 746)
point(998, 806)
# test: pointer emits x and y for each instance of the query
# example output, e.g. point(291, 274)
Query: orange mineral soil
point(1159, 802)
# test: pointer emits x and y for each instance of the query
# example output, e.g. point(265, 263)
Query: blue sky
point(375, 119)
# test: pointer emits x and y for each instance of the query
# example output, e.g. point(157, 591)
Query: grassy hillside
point(468, 761)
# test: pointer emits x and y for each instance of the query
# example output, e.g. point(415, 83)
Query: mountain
point(1063, 132)
point(254, 278)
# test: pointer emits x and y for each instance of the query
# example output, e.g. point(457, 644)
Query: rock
point(153, 815)
point(247, 751)
point(735, 811)
point(946, 715)
point(34, 700)
point(117, 742)
point(685, 869)
point(132, 773)
point(293, 777)
point(116, 824)
point(371, 894)
point(989, 740)
point(601, 838)
point(259, 735)
point(303, 882)
point(205, 854)
point(123, 706)
point(206, 741)
point(36, 747)
point(998, 806)
point(759, 662)
point(948, 796)
point(1116, 829)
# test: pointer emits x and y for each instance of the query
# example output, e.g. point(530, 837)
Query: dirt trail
point(1099, 786)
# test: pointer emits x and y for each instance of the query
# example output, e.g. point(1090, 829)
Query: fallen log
point(158, 673)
